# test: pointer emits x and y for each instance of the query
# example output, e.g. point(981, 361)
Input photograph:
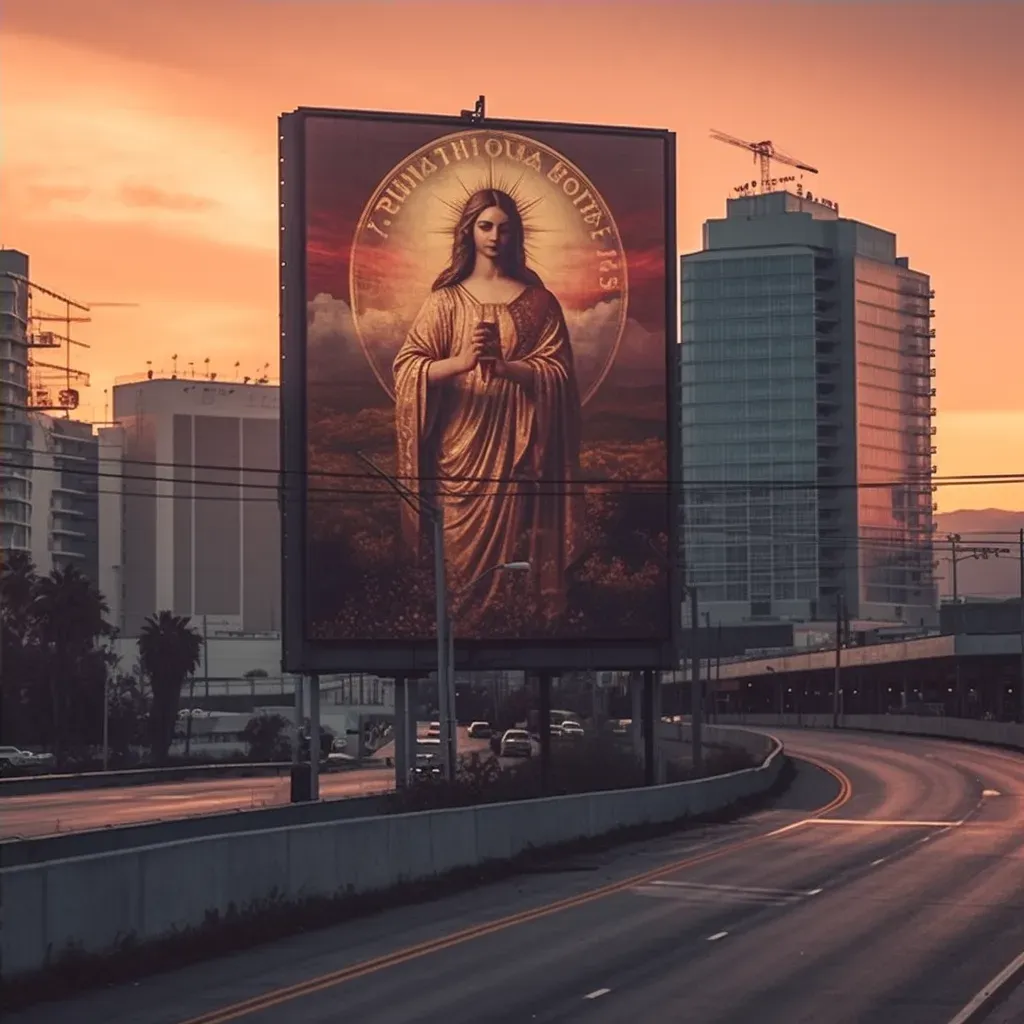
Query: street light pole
point(1020, 553)
point(450, 651)
point(444, 683)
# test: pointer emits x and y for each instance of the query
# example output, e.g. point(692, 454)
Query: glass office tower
point(806, 418)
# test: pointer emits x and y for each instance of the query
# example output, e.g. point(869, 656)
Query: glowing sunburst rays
point(405, 236)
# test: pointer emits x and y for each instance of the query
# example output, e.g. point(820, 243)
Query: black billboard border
point(302, 654)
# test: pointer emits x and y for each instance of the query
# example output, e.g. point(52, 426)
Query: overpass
point(974, 675)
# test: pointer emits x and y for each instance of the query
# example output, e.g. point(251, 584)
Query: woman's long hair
point(512, 259)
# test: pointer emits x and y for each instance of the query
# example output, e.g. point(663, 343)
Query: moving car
point(516, 743)
point(571, 729)
point(479, 731)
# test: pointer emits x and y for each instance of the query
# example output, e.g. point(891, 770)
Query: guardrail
point(29, 785)
point(95, 903)
point(972, 730)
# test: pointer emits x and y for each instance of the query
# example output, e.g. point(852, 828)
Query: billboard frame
point(303, 655)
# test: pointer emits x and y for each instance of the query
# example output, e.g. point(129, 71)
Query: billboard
point(478, 327)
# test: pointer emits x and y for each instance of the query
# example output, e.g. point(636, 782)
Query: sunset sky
point(139, 150)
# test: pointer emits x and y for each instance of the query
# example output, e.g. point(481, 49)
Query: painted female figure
point(488, 416)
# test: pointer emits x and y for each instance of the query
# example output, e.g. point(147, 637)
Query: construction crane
point(766, 153)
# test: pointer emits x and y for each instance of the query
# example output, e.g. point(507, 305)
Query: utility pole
point(697, 716)
point(836, 678)
point(1020, 553)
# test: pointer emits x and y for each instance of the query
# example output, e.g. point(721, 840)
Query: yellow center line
point(352, 972)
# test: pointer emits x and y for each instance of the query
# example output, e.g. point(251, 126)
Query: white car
point(571, 730)
point(516, 743)
point(18, 758)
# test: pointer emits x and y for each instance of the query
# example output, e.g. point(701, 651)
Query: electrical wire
point(561, 486)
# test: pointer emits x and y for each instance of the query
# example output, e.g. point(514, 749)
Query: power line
point(564, 485)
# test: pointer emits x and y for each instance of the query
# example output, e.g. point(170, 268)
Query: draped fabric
point(500, 459)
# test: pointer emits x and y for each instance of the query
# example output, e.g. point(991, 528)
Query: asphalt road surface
point(886, 890)
point(78, 810)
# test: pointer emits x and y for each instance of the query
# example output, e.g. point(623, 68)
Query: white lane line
point(991, 792)
point(597, 993)
point(739, 889)
point(717, 936)
point(977, 1008)
point(875, 863)
point(814, 892)
point(878, 823)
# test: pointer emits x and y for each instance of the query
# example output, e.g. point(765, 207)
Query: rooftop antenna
point(478, 113)
point(237, 366)
point(765, 152)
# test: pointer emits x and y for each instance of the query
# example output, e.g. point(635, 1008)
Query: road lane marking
point(597, 993)
point(991, 792)
point(977, 1009)
point(311, 986)
point(882, 823)
point(815, 892)
point(881, 860)
point(717, 936)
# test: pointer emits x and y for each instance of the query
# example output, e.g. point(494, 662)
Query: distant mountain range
point(983, 527)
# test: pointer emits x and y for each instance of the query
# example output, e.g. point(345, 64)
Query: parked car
point(479, 731)
point(516, 743)
point(571, 729)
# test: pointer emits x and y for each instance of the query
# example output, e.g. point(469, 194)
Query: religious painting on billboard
point(487, 325)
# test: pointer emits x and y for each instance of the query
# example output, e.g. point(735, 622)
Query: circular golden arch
point(368, 209)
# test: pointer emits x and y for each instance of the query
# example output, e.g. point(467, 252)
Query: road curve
point(896, 907)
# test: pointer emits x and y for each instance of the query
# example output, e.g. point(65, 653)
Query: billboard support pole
point(544, 728)
point(314, 737)
point(649, 726)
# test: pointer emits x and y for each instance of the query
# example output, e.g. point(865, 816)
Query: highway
point(887, 889)
point(77, 810)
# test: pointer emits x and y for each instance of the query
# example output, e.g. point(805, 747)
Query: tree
point(267, 739)
point(169, 651)
point(68, 616)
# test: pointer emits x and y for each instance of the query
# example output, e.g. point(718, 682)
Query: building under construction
point(49, 461)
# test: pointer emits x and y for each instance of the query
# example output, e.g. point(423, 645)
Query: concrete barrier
point(60, 846)
point(96, 902)
point(972, 730)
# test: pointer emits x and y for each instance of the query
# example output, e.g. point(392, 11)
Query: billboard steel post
point(314, 737)
point(544, 728)
point(649, 727)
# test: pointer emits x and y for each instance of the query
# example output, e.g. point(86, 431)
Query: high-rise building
point(48, 463)
point(807, 418)
point(65, 486)
point(15, 430)
point(200, 525)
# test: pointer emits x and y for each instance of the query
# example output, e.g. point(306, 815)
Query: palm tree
point(169, 651)
point(68, 619)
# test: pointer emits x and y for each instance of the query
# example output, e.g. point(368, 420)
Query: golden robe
point(499, 459)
